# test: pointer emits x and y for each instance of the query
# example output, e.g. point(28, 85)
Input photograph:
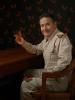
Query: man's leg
point(27, 87)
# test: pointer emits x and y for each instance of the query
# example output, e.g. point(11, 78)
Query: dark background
point(23, 15)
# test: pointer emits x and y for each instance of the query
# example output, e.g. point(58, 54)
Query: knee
point(23, 86)
point(26, 86)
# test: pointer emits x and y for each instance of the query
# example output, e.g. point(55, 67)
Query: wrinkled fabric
point(57, 53)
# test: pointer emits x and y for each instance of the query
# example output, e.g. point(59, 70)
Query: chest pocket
point(55, 50)
point(54, 53)
point(53, 56)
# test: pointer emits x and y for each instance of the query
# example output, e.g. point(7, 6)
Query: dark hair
point(47, 15)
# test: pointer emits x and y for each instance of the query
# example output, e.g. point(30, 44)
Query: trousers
point(27, 87)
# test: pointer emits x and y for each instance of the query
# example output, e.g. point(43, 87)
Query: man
point(56, 49)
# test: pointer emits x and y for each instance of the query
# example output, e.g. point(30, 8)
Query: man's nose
point(45, 27)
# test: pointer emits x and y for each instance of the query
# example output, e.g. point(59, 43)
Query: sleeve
point(34, 49)
point(64, 54)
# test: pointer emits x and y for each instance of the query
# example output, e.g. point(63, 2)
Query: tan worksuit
point(57, 55)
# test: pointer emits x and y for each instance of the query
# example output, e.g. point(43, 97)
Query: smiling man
point(57, 52)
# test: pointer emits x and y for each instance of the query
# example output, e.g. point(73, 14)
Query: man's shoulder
point(61, 34)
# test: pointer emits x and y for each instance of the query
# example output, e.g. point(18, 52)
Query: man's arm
point(64, 54)
point(34, 49)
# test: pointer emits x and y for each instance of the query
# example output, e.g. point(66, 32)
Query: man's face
point(47, 26)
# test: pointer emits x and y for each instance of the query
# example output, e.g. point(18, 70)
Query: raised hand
point(19, 38)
